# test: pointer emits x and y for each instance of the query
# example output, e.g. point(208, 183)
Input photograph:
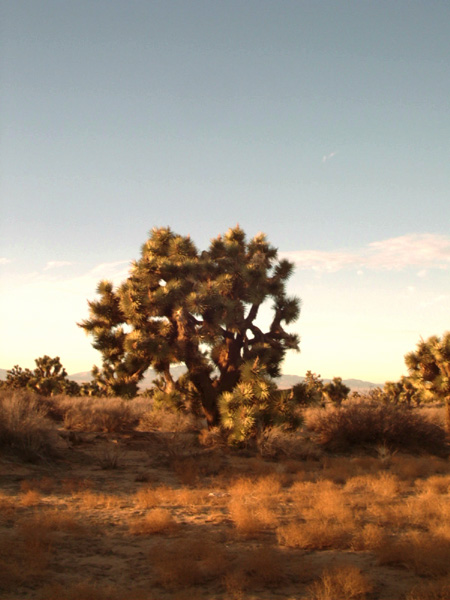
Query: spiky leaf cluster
point(429, 369)
point(254, 404)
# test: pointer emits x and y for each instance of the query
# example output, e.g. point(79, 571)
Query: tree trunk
point(447, 414)
point(209, 395)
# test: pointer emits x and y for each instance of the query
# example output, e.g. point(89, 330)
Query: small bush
point(371, 425)
point(110, 415)
point(426, 556)
point(276, 442)
point(188, 562)
point(166, 420)
point(25, 429)
point(158, 520)
point(343, 583)
point(315, 535)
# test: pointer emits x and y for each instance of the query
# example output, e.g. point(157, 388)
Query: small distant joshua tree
point(182, 306)
point(48, 378)
point(336, 391)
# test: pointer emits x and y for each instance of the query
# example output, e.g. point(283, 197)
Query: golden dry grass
point(158, 520)
point(346, 582)
point(175, 522)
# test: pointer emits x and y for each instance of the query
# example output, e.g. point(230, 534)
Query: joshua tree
point(48, 378)
point(336, 391)
point(310, 391)
point(429, 369)
point(402, 392)
point(179, 305)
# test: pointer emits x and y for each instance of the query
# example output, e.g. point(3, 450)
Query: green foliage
point(429, 369)
point(310, 391)
point(403, 392)
point(255, 404)
point(200, 309)
point(48, 378)
point(336, 391)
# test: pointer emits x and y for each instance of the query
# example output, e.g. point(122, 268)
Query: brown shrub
point(25, 429)
point(433, 590)
point(188, 562)
point(165, 420)
point(346, 582)
point(367, 424)
point(158, 520)
point(30, 498)
point(109, 415)
point(276, 442)
point(315, 535)
point(426, 555)
point(94, 500)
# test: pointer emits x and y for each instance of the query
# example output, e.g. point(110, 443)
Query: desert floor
point(154, 515)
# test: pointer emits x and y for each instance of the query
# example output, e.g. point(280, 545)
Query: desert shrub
point(110, 415)
point(426, 556)
point(276, 442)
point(344, 583)
point(157, 520)
point(188, 562)
point(370, 425)
point(315, 535)
point(25, 429)
point(161, 419)
point(439, 589)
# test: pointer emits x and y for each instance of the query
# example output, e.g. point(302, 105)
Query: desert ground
point(167, 511)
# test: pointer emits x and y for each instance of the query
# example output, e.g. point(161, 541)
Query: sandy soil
point(95, 553)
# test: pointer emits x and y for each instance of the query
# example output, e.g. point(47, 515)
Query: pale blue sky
point(324, 124)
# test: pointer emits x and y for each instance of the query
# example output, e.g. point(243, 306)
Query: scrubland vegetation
point(107, 499)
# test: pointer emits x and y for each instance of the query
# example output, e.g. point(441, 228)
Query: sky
point(323, 124)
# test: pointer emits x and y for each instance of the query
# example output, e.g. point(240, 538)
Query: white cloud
point(54, 264)
point(4, 261)
point(419, 250)
point(439, 299)
point(328, 156)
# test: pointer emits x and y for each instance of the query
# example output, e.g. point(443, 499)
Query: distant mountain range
point(285, 381)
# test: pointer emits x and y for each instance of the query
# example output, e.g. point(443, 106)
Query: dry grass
point(111, 415)
point(165, 420)
point(369, 424)
point(25, 429)
point(188, 562)
point(252, 505)
point(346, 582)
point(30, 498)
point(44, 485)
point(315, 535)
point(425, 555)
point(433, 590)
point(158, 520)
point(182, 521)
point(84, 591)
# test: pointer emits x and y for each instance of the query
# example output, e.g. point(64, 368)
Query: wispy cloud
point(419, 250)
point(4, 260)
point(55, 264)
point(326, 157)
point(440, 299)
